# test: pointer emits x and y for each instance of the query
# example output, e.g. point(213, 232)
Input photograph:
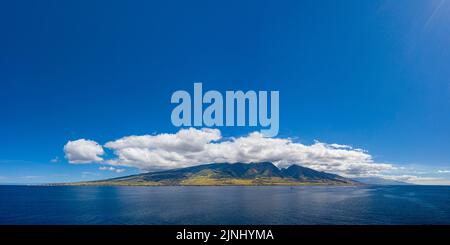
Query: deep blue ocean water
point(225, 205)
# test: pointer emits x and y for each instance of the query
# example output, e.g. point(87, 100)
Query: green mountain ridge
point(264, 173)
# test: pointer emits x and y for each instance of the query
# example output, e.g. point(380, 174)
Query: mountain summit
point(264, 173)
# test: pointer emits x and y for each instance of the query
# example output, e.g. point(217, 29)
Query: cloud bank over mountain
point(189, 147)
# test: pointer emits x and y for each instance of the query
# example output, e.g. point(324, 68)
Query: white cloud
point(83, 151)
point(117, 170)
point(55, 160)
point(419, 180)
point(191, 146)
point(443, 171)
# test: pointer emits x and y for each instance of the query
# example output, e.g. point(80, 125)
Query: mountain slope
point(230, 174)
point(307, 174)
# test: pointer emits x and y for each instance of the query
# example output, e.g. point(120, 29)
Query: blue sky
point(371, 74)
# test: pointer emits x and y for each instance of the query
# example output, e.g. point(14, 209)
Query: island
point(223, 174)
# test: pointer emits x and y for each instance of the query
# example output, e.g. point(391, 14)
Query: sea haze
point(224, 205)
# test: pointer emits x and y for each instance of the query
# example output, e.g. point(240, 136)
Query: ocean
point(358, 205)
